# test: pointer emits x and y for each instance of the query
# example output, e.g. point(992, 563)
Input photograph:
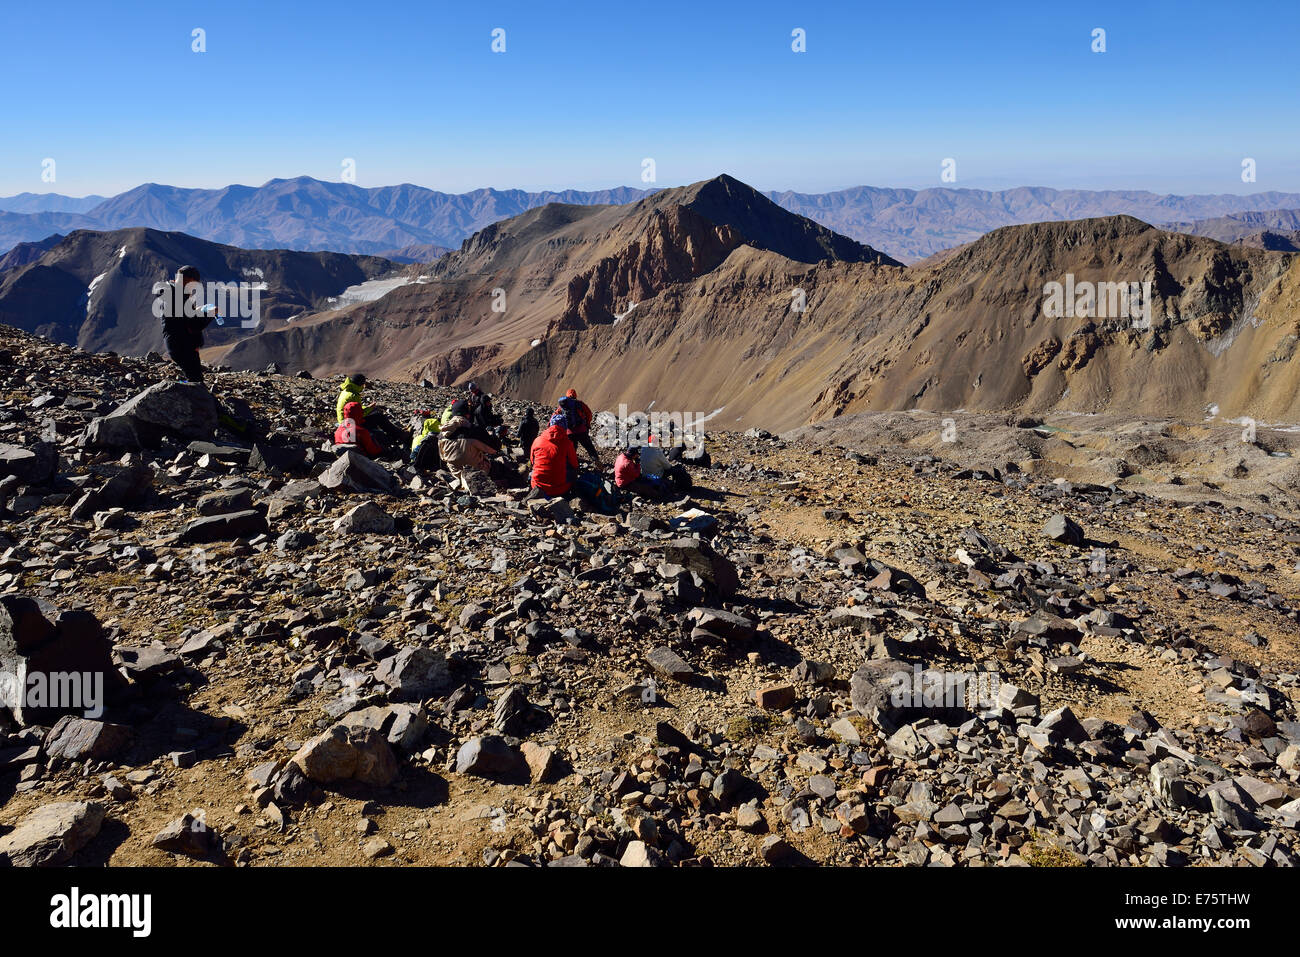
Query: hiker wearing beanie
point(577, 417)
point(462, 453)
point(183, 333)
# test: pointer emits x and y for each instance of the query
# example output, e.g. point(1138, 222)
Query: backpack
point(572, 417)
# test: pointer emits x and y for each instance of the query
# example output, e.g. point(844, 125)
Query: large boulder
point(490, 756)
point(345, 753)
point(353, 472)
point(276, 458)
point(880, 690)
point(80, 739)
point(184, 409)
point(50, 835)
point(53, 663)
point(33, 466)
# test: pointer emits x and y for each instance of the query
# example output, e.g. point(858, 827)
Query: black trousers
point(185, 354)
point(583, 440)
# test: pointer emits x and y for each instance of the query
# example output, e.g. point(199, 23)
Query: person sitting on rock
point(577, 416)
point(554, 460)
point(463, 452)
point(659, 468)
point(350, 391)
point(183, 333)
point(629, 478)
point(352, 432)
point(425, 456)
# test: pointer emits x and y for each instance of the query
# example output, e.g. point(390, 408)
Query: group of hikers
point(469, 436)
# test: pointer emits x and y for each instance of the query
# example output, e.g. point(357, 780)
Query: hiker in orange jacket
point(352, 431)
point(577, 418)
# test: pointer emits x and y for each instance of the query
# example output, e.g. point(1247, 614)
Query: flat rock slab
point(50, 835)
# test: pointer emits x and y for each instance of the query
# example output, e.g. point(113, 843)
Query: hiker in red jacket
point(577, 418)
point(352, 431)
point(554, 461)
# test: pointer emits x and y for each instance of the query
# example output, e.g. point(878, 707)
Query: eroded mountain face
point(95, 289)
point(712, 299)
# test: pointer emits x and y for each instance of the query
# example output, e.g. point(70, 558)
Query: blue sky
point(585, 91)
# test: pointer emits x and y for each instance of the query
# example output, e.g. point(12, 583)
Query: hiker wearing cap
point(554, 460)
point(577, 417)
point(182, 332)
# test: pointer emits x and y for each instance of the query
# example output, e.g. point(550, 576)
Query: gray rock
point(353, 472)
point(186, 835)
point(182, 408)
point(699, 558)
point(365, 519)
point(224, 528)
point(111, 433)
point(225, 501)
point(50, 835)
point(873, 691)
point(33, 466)
point(1064, 530)
point(726, 625)
point(80, 739)
point(489, 756)
point(61, 660)
point(414, 674)
point(669, 664)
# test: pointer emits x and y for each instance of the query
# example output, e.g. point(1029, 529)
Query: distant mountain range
point(413, 224)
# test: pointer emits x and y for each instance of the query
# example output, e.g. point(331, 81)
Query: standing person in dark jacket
point(528, 430)
point(183, 321)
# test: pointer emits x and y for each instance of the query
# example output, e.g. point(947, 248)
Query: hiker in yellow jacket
point(350, 391)
point(376, 421)
point(424, 444)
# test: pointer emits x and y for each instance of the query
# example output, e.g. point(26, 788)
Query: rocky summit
point(826, 653)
